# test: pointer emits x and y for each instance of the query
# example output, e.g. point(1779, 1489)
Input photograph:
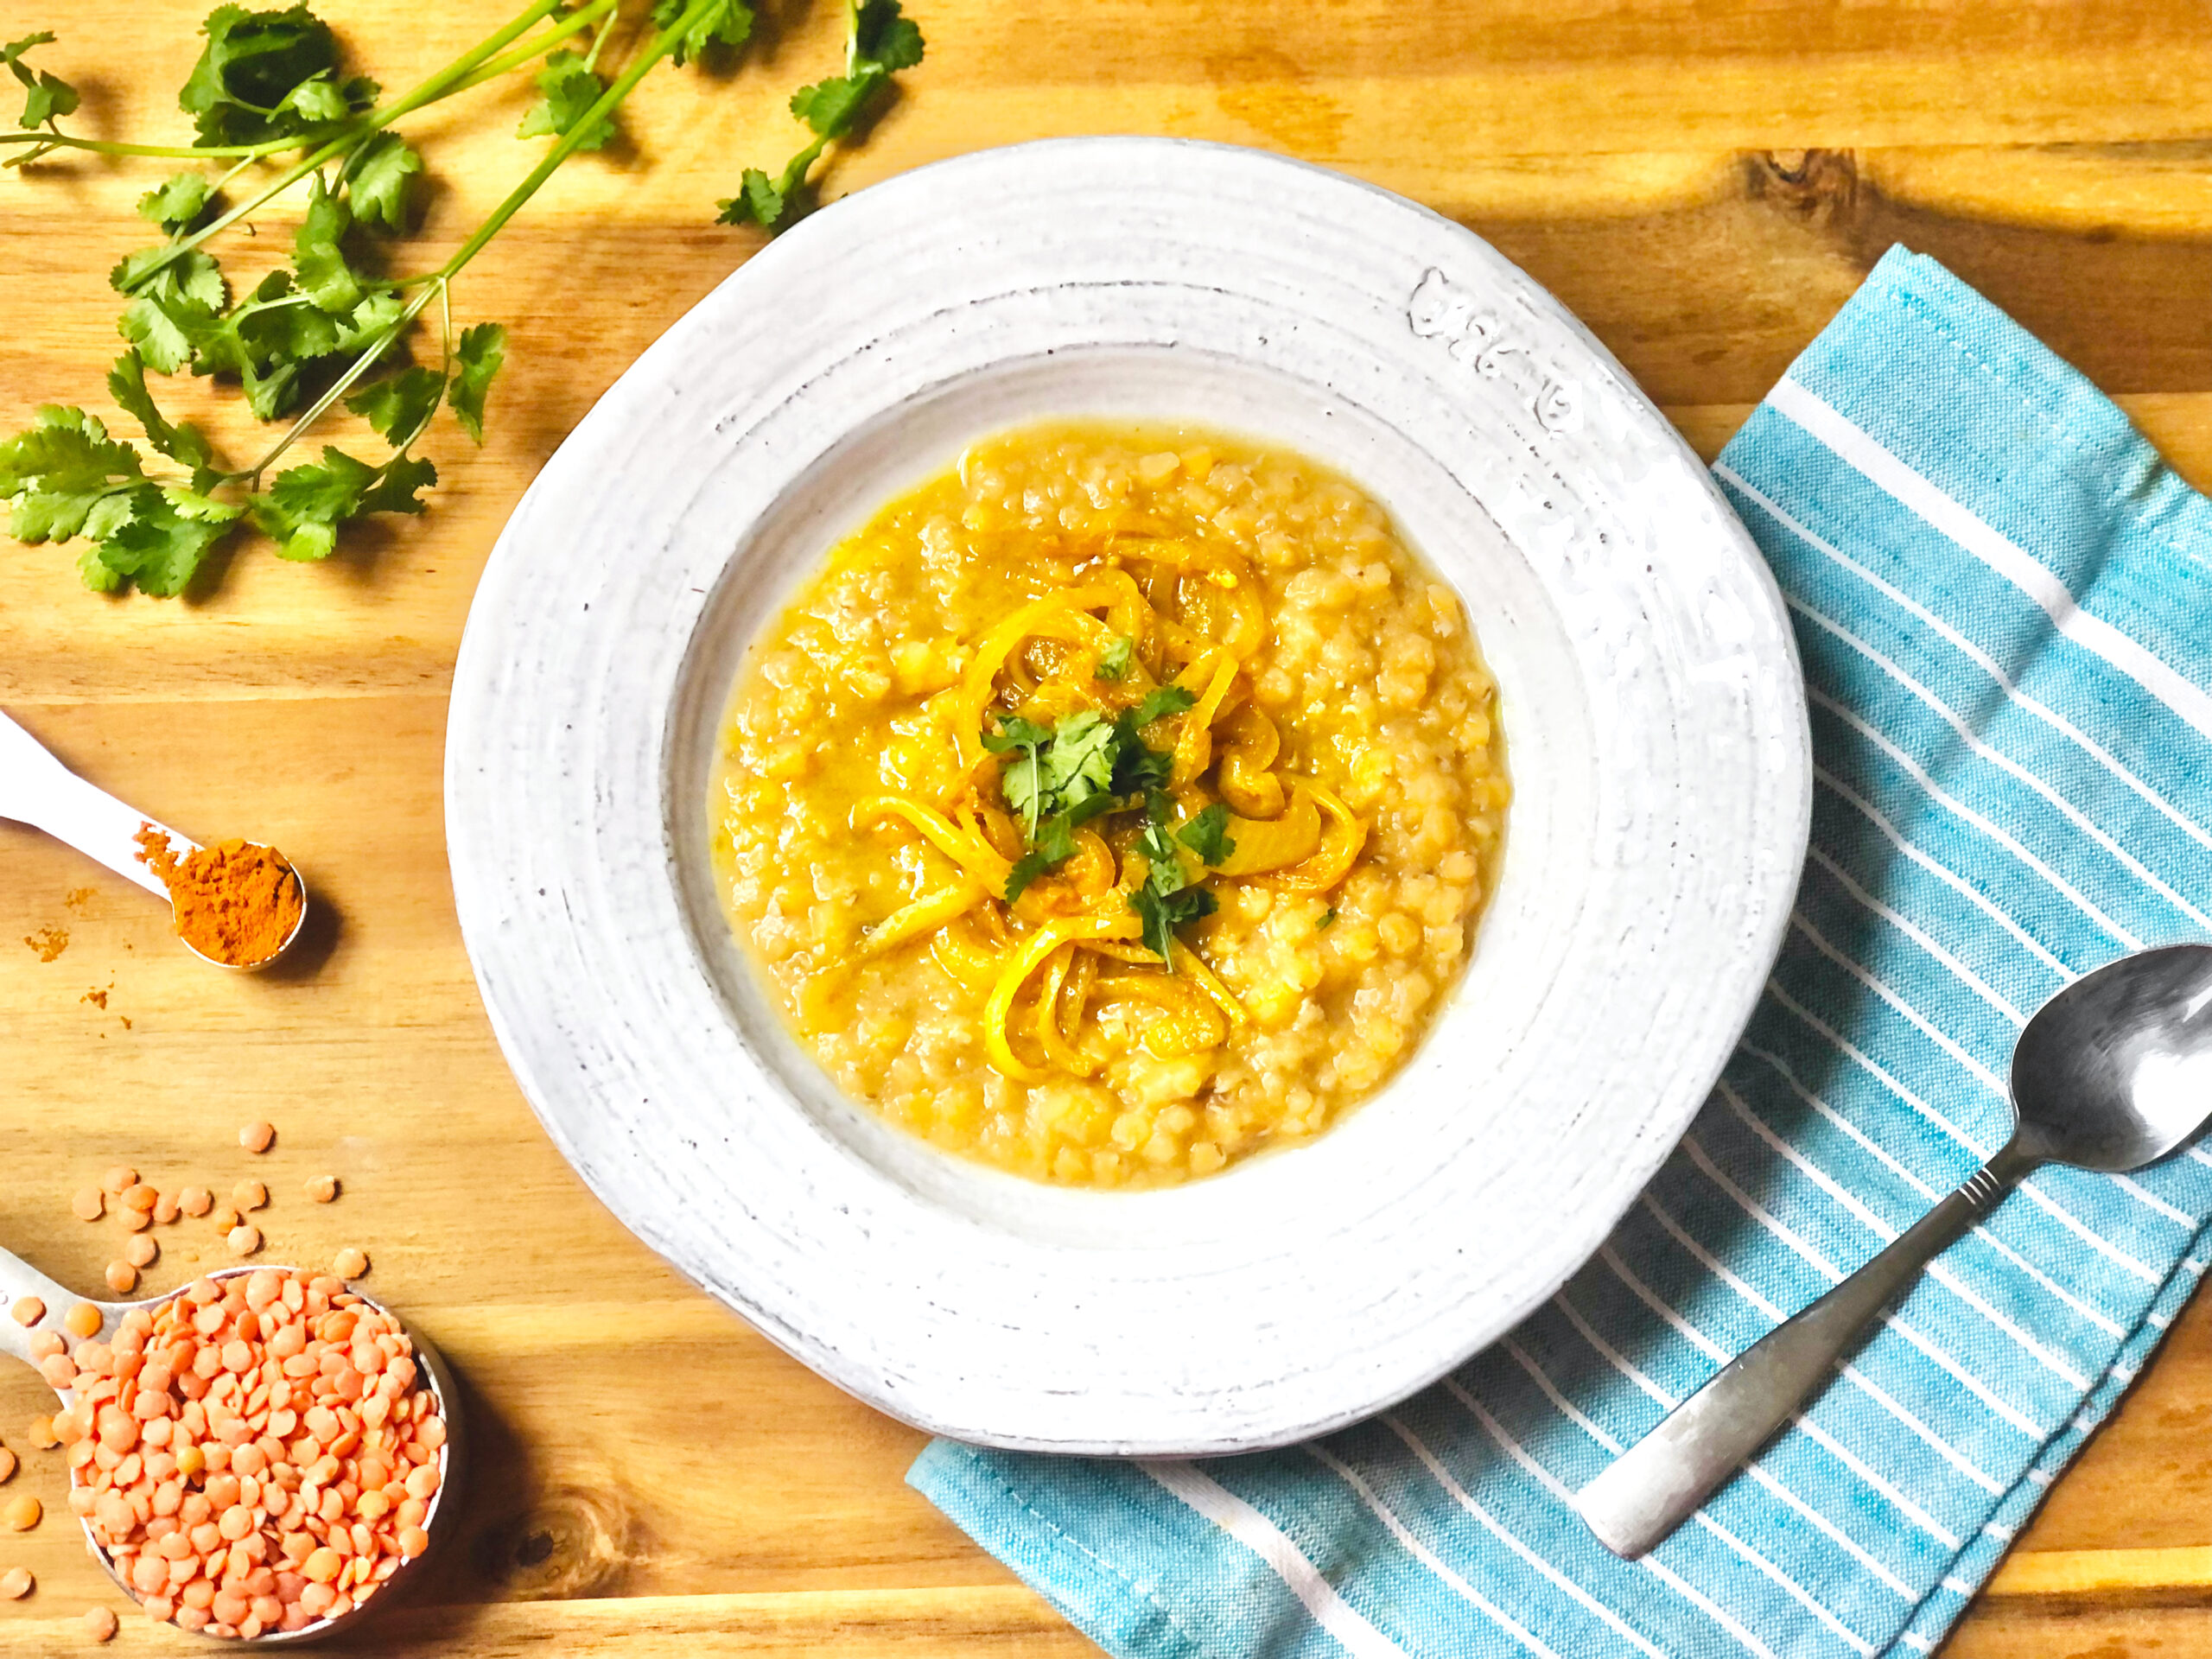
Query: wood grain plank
point(998, 1622)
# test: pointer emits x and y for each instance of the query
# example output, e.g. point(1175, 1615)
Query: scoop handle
point(1658, 1483)
point(18, 1279)
point(38, 790)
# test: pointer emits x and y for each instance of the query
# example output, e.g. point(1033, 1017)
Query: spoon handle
point(1656, 1486)
point(18, 1279)
point(38, 789)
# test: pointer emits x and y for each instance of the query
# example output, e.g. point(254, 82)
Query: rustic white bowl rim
point(1657, 731)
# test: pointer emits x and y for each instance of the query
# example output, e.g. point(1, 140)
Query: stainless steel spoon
point(18, 1279)
point(2113, 1073)
point(36, 789)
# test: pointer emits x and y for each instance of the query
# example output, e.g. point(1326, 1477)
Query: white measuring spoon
point(38, 790)
point(18, 1279)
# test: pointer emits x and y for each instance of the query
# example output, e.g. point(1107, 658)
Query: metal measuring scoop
point(36, 789)
point(2113, 1073)
point(18, 1279)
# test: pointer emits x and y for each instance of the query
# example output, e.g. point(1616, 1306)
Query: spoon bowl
point(18, 1280)
point(2113, 1073)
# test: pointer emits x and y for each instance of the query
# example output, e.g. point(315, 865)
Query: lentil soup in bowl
point(1392, 746)
point(1117, 804)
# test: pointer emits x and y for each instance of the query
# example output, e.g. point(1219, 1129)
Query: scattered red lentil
point(41, 1433)
point(166, 1209)
point(195, 1200)
point(349, 1263)
point(100, 1623)
point(6, 1464)
point(142, 1250)
point(90, 1204)
point(257, 1137)
point(137, 1220)
point(322, 1188)
point(22, 1512)
point(120, 1179)
point(248, 1195)
point(140, 1196)
point(83, 1319)
point(28, 1310)
point(276, 1460)
point(244, 1239)
point(225, 1218)
point(17, 1582)
point(122, 1278)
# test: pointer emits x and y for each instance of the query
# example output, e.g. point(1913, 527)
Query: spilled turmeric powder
point(236, 902)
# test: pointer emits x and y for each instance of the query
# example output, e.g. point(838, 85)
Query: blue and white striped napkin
point(2004, 599)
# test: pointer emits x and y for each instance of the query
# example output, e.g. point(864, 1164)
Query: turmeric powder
point(236, 902)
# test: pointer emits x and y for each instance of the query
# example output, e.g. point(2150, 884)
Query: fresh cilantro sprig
point(1114, 661)
point(879, 43)
point(331, 328)
point(1168, 897)
point(1059, 779)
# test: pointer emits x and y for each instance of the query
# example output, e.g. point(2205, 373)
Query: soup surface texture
point(1115, 804)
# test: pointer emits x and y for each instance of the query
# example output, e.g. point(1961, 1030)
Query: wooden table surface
point(1703, 183)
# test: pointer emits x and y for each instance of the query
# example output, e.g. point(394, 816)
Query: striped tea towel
point(2002, 596)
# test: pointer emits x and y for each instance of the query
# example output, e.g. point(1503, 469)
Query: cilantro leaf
point(1207, 834)
point(241, 89)
point(1114, 661)
point(324, 276)
point(476, 360)
point(1022, 781)
point(1162, 913)
point(1166, 867)
point(828, 107)
point(569, 88)
point(1080, 763)
point(1026, 868)
point(162, 544)
point(177, 201)
point(174, 308)
point(44, 96)
point(126, 382)
point(378, 179)
point(883, 39)
point(399, 406)
point(57, 472)
point(302, 511)
point(760, 201)
point(1328, 919)
point(729, 23)
point(1137, 770)
point(1161, 702)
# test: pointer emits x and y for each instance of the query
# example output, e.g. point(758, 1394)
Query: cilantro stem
point(610, 100)
point(574, 23)
point(360, 365)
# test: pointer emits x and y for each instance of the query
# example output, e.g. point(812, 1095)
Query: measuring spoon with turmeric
point(237, 903)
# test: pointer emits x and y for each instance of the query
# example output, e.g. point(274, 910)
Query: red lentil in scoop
point(256, 1453)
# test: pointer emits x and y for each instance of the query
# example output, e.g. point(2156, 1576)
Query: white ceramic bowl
point(1655, 722)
